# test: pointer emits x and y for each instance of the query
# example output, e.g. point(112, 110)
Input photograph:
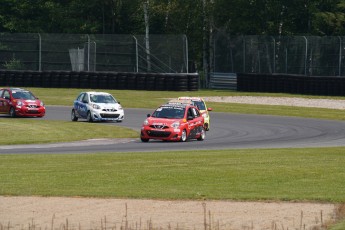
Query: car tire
point(202, 134)
point(89, 117)
point(183, 136)
point(206, 126)
point(12, 112)
point(73, 116)
point(144, 139)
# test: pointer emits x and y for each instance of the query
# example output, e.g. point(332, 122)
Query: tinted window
point(6, 94)
point(1, 91)
point(85, 98)
point(26, 95)
point(102, 98)
point(169, 112)
point(80, 97)
point(196, 112)
point(200, 105)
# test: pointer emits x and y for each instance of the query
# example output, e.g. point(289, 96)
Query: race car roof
point(190, 98)
point(97, 93)
point(179, 102)
point(168, 105)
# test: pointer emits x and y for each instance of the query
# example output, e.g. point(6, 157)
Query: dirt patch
point(90, 213)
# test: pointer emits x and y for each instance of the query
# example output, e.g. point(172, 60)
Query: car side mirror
point(209, 109)
point(85, 101)
point(148, 115)
point(7, 97)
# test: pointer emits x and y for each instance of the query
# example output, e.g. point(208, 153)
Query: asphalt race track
point(227, 131)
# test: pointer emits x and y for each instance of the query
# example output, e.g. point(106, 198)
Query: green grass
point(313, 174)
point(152, 99)
point(28, 131)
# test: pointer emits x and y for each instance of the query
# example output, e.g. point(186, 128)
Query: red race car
point(174, 122)
point(20, 102)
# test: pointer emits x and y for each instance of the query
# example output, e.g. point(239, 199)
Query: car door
point(6, 101)
point(1, 101)
point(192, 122)
point(195, 124)
point(80, 105)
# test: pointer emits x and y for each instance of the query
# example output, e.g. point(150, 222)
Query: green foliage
point(14, 64)
point(194, 18)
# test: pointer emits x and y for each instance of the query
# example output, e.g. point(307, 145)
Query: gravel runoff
point(288, 101)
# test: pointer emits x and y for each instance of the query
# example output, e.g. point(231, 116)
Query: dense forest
point(198, 19)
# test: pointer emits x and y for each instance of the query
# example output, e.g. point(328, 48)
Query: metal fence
point(96, 52)
point(306, 55)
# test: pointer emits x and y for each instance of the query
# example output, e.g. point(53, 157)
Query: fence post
point(306, 55)
point(39, 52)
point(340, 53)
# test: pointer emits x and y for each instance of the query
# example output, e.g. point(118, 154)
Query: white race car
point(97, 106)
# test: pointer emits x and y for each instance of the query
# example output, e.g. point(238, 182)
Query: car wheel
point(89, 117)
point(206, 127)
point(12, 112)
point(202, 134)
point(144, 140)
point(73, 116)
point(183, 136)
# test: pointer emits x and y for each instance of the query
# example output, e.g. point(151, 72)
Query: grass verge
point(152, 99)
point(313, 174)
point(29, 131)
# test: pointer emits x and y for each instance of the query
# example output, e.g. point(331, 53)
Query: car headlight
point(146, 122)
point(41, 104)
point(205, 115)
point(19, 103)
point(96, 106)
point(120, 107)
point(175, 125)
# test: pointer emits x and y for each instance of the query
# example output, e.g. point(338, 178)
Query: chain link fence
point(96, 52)
point(305, 55)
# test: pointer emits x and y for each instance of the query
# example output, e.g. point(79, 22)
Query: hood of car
point(162, 121)
point(110, 106)
point(27, 102)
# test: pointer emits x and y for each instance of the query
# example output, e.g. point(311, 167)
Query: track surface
point(228, 131)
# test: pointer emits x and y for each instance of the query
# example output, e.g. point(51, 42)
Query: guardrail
point(100, 80)
point(223, 81)
point(295, 84)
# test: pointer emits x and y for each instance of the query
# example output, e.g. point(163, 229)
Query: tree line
point(198, 19)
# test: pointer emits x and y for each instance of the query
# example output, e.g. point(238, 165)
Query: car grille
point(33, 111)
point(158, 133)
point(159, 126)
point(32, 106)
point(109, 110)
point(106, 115)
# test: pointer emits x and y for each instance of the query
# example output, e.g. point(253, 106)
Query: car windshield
point(101, 98)
point(169, 112)
point(200, 105)
point(26, 95)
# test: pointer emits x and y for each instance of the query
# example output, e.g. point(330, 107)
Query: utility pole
point(147, 39)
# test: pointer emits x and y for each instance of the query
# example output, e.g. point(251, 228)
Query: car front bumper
point(24, 111)
point(169, 134)
point(108, 116)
